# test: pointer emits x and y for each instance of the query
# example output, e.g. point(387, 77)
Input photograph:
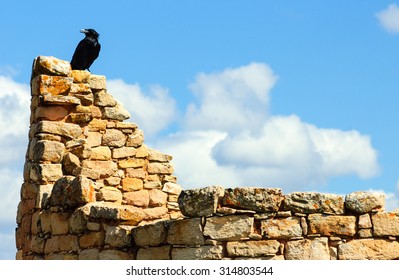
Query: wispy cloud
point(389, 18)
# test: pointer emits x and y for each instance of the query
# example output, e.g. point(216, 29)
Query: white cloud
point(226, 142)
point(231, 100)
point(389, 18)
point(153, 110)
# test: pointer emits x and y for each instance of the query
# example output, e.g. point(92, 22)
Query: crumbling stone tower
point(88, 176)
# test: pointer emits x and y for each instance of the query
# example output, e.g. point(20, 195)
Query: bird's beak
point(83, 31)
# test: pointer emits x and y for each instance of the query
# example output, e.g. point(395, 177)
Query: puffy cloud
point(389, 18)
point(233, 99)
point(153, 111)
point(228, 138)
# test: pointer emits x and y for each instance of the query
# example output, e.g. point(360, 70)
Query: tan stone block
point(51, 66)
point(369, 249)
point(71, 164)
point(137, 198)
point(155, 213)
point(47, 151)
point(112, 181)
point(68, 130)
point(123, 152)
point(202, 253)
point(92, 239)
point(118, 236)
point(94, 139)
point(142, 151)
point(364, 221)
point(252, 248)
point(172, 188)
point(115, 255)
point(45, 172)
point(154, 253)
point(100, 153)
point(365, 233)
point(37, 245)
point(97, 82)
point(110, 194)
point(103, 168)
point(54, 85)
point(160, 168)
point(89, 254)
point(51, 113)
point(385, 224)
point(136, 139)
point(135, 173)
point(59, 223)
point(154, 155)
point(281, 228)
point(132, 184)
point(80, 76)
point(43, 195)
point(103, 99)
point(308, 249)
point(153, 185)
point(149, 235)
point(97, 125)
point(131, 163)
point(118, 113)
point(58, 243)
point(82, 88)
point(157, 198)
point(114, 138)
point(229, 228)
point(185, 232)
point(312, 202)
point(364, 202)
point(327, 225)
point(63, 100)
point(45, 222)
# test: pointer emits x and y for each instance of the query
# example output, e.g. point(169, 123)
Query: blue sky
point(301, 95)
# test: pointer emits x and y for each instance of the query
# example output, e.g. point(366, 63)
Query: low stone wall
point(258, 223)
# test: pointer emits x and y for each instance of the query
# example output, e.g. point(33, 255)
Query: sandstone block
point(112, 211)
point(369, 249)
point(364, 202)
point(252, 248)
point(131, 163)
point(51, 113)
point(139, 198)
point(114, 254)
point(103, 99)
point(154, 253)
point(136, 139)
point(53, 85)
point(114, 138)
point(142, 151)
point(59, 223)
point(386, 224)
point(332, 225)
point(200, 202)
point(116, 113)
point(80, 76)
point(155, 213)
point(229, 228)
point(208, 252)
point(94, 139)
point(160, 168)
point(89, 254)
point(256, 199)
point(154, 155)
point(44, 150)
point(150, 235)
point(58, 243)
point(92, 239)
point(310, 202)
point(132, 184)
point(157, 198)
point(82, 88)
point(100, 153)
point(78, 221)
point(172, 188)
point(71, 164)
point(80, 118)
point(51, 66)
point(364, 221)
point(110, 194)
point(308, 249)
point(63, 100)
point(71, 192)
point(281, 228)
point(123, 152)
point(97, 82)
point(37, 244)
point(45, 172)
point(102, 168)
point(185, 232)
point(118, 236)
point(97, 125)
point(68, 130)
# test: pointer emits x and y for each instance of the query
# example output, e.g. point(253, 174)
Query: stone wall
point(88, 176)
point(93, 190)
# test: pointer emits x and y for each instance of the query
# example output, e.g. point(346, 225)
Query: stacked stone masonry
point(93, 190)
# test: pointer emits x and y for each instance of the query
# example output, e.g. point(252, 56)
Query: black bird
point(86, 51)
